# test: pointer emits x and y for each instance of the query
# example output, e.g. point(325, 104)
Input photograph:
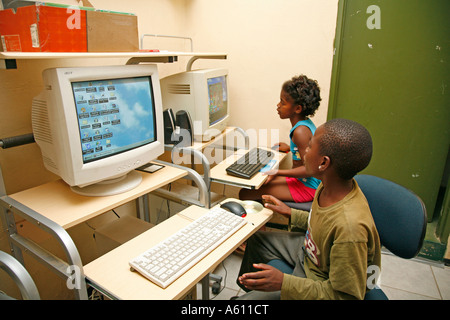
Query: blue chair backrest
point(399, 215)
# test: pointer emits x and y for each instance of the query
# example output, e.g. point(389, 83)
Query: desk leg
point(9, 226)
point(205, 287)
point(71, 270)
point(20, 276)
point(142, 208)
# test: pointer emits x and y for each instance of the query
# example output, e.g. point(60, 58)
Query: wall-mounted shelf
point(8, 60)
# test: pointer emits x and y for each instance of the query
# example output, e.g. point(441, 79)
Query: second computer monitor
point(204, 94)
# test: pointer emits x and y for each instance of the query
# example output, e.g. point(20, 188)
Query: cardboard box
point(41, 28)
point(46, 27)
point(118, 232)
point(111, 32)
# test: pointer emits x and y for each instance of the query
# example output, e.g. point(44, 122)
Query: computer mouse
point(235, 208)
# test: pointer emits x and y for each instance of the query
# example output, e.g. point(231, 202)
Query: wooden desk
point(111, 272)
point(219, 174)
point(57, 202)
point(53, 207)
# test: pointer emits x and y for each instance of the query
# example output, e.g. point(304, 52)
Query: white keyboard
point(172, 257)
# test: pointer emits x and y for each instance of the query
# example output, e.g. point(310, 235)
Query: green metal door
point(391, 73)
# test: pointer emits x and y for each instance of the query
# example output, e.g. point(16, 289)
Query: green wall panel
point(395, 80)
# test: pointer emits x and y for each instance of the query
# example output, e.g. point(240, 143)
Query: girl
point(299, 100)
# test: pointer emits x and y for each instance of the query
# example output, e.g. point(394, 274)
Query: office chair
point(305, 206)
point(20, 276)
point(399, 215)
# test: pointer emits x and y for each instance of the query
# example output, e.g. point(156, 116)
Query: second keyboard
point(251, 163)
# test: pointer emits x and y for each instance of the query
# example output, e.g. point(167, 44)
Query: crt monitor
point(204, 94)
point(95, 125)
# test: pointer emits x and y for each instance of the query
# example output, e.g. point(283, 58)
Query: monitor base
point(111, 187)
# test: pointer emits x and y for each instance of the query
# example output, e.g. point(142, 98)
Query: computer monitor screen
point(218, 99)
point(203, 93)
point(114, 115)
point(95, 125)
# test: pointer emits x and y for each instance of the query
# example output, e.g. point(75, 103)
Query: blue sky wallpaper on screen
point(114, 115)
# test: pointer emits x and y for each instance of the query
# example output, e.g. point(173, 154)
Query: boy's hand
point(272, 203)
point(268, 279)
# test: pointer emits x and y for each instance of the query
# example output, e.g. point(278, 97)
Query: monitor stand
point(111, 187)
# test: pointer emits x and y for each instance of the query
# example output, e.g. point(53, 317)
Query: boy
point(331, 260)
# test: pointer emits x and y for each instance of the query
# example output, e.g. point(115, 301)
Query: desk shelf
point(8, 60)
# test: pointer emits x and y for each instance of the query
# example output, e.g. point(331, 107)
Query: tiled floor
point(400, 279)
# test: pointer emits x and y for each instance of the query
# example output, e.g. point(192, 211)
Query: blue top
point(310, 182)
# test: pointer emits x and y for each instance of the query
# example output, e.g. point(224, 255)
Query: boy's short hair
point(304, 92)
point(349, 146)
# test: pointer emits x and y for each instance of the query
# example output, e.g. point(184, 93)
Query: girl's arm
point(301, 137)
point(282, 147)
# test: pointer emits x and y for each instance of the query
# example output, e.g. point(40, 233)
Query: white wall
point(267, 43)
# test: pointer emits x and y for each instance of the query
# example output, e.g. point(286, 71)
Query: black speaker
point(184, 123)
point(169, 126)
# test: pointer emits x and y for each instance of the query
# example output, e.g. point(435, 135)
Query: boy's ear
point(326, 162)
point(298, 109)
